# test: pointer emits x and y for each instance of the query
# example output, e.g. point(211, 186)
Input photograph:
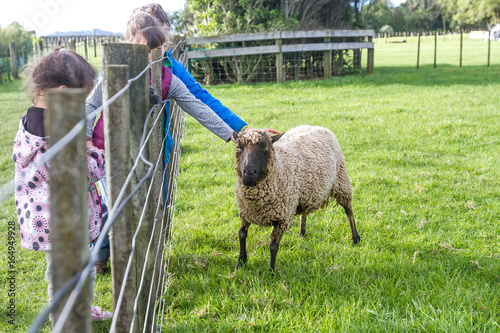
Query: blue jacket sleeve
point(195, 88)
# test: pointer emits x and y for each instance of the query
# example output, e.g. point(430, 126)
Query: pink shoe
point(98, 315)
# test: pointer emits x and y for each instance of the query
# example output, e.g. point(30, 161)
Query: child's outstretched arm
point(200, 111)
point(93, 102)
point(178, 69)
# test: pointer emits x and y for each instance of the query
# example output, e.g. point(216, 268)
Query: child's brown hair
point(58, 68)
point(156, 10)
point(141, 23)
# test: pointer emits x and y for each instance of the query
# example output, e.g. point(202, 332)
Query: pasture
point(422, 151)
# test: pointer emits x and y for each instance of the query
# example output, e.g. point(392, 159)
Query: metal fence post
point(68, 195)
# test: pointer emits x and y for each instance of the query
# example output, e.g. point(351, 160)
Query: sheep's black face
point(252, 157)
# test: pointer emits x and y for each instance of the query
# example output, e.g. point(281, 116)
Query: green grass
point(422, 150)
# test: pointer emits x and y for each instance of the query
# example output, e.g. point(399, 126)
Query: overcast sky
point(48, 16)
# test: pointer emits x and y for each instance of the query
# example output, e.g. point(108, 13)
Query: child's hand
point(90, 144)
point(273, 131)
point(234, 137)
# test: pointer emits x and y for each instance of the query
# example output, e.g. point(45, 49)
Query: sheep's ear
point(234, 137)
point(275, 138)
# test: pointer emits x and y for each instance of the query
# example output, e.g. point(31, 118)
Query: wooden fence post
point(461, 44)
point(135, 56)
point(68, 196)
point(280, 75)
point(40, 47)
point(95, 46)
point(85, 41)
point(435, 48)
point(8, 64)
point(156, 146)
point(13, 61)
point(489, 47)
point(370, 57)
point(418, 49)
point(327, 61)
point(118, 165)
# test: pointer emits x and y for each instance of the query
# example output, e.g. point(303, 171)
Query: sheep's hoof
point(356, 239)
point(238, 265)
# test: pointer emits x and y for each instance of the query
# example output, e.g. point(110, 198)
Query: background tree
point(474, 12)
point(15, 33)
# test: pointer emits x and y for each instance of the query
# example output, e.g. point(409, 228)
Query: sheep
point(280, 176)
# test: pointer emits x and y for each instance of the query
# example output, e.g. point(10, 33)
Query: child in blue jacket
point(178, 69)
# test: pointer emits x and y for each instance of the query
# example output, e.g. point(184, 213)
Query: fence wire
point(76, 283)
point(303, 65)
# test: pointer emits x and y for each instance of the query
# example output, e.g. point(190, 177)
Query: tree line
point(14, 33)
point(212, 17)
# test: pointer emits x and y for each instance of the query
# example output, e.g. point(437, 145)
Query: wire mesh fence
point(149, 250)
point(279, 56)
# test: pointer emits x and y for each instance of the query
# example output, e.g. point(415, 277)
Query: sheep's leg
point(352, 223)
point(303, 218)
point(275, 243)
point(242, 235)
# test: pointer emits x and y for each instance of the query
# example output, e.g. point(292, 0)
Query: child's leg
point(104, 251)
point(91, 276)
point(96, 313)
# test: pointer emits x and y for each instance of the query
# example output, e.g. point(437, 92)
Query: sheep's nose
point(250, 172)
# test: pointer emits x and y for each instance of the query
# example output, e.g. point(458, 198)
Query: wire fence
point(87, 46)
point(137, 204)
point(279, 55)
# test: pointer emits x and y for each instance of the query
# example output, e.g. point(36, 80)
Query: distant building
point(495, 32)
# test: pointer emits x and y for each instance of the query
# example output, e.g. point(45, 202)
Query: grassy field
point(422, 150)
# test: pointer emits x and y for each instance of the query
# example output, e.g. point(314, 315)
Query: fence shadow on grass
point(444, 75)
